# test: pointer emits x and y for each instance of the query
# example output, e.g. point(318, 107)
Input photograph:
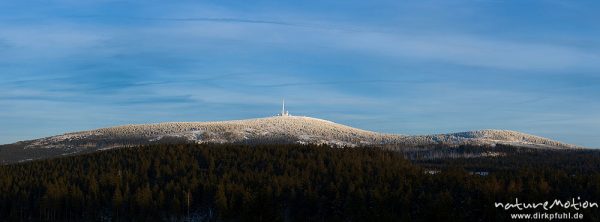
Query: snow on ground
point(280, 129)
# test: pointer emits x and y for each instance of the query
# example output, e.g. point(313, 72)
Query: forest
point(227, 182)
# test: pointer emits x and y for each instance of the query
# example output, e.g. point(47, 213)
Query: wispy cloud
point(452, 48)
point(475, 51)
point(341, 82)
point(192, 19)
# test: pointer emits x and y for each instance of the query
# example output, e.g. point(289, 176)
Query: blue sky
point(409, 67)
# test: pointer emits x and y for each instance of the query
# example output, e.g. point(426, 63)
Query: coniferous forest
point(211, 182)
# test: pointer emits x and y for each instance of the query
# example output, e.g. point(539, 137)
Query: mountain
point(270, 130)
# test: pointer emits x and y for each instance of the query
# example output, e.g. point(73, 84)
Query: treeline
point(573, 161)
point(280, 183)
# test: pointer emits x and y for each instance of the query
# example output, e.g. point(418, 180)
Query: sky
point(406, 67)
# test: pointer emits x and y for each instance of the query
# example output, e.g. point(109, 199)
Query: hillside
point(270, 130)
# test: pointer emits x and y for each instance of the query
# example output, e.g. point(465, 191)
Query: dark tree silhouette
point(292, 183)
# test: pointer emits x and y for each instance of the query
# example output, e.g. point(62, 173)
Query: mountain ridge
point(267, 130)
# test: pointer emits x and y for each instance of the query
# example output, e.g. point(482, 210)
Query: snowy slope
point(279, 130)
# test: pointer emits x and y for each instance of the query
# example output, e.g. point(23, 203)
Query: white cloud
point(49, 41)
point(194, 34)
point(452, 48)
point(472, 51)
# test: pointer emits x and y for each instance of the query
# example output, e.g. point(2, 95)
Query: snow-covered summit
point(284, 129)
